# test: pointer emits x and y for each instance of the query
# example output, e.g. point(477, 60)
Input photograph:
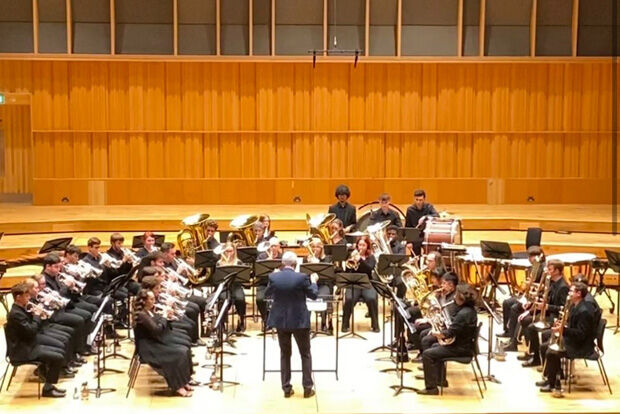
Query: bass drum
point(439, 231)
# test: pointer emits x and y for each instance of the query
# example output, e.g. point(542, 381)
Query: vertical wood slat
point(218, 28)
point(112, 27)
point(251, 27)
point(533, 25)
point(325, 28)
point(459, 40)
point(175, 27)
point(69, 26)
point(35, 26)
point(575, 28)
point(367, 29)
point(273, 27)
point(482, 23)
point(399, 28)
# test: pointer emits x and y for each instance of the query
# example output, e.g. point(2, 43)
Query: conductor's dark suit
point(290, 316)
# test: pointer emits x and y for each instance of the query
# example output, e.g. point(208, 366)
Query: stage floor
point(361, 388)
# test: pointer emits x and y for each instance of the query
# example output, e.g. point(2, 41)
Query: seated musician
point(152, 333)
point(512, 307)
point(274, 252)
point(211, 242)
point(326, 288)
point(148, 242)
point(385, 212)
point(588, 298)
point(417, 213)
point(171, 261)
point(336, 229)
point(361, 261)
point(558, 290)
point(462, 330)
point(258, 229)
point(22, 329)
point(578, 336)
point(266, 221)
point(397, 248)
point(343, 210)
point(229, 258)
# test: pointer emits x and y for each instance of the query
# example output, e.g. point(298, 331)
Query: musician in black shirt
point(385, 212)
point(211, 242)
point(419, 209)
point(343, 209)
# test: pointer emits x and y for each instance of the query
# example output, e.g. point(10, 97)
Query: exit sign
point(1, 98)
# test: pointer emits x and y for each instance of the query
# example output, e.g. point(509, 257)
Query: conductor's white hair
point(289, 259)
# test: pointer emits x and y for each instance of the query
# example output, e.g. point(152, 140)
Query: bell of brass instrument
point(415, 280)
point(135, 260)
point(311, 258)
point(193, 275)
point(168, 312)
point(66, 279)
point(378, 237)
point(193, 236)
point(556, 342)
point(244, 231)
point(39, 310)
point(353, 262)
point(168, 272)
point(318, 226)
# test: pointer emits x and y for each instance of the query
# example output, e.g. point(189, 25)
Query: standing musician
point(22, 330)
point(363, 261)
point(558, 290)
point(266, 220)
point(578, 336)
point(343, 210)
point(211, 242)
point(148, 242)
point(274, 252)
point(336, 229)
point(462, 329)
point(512, 307)
point(417, 213)
point(385, 212)
point(290, 316)
point(229, 258)
point(154, 345)
point(326, 288)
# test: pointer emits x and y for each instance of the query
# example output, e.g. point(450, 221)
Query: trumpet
point(174, 274)
point(72, 283)
point(135, 260)
point(52, 299)
point(168, 312)
point(170, 300)
point(109, 261)
point(175, 289)
point(82, 270)
point(184, 267)
point(353, 262)
point(39, 310)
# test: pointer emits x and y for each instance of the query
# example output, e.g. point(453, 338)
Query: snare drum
point(439, 231)
point(576, 263)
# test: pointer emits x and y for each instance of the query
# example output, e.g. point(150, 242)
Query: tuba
point(244, 232)
point(193, 235)
point(318, 226)
point(376, 233)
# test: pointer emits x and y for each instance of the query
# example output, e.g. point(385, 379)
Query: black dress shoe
point(546, 388)
point(309, 393)
point(67, 373)
point(534, 362)
point(344, 329)
point(194, 383)
point(60, 390)
point(542, 383)
point(431, 391)
point(511, 347)
point(52, 393)
point(81, 360)
point(287, 394)
point(419, 376)
point(524, 357)
point(376, 329)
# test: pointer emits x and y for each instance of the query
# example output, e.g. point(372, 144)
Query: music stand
point(108, 293)
point(613, 258)
point(138, 241)
point(352, 280)
point(98, 335)
point(247, 254)
point(262, 270)
point(327, 275)
point(205, 259)
point(338, 252)
point(410, 234)
point(220, 334)
point(55, 245)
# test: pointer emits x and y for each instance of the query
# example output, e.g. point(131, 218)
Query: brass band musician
point(326, 288)
point(274, 252)
point(229, 258)
point(211, 228)
point(148, 241)
point(419, 211)
point(336, 229)
point(385, 212)
point(343, 210)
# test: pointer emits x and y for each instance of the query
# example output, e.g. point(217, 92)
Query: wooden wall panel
point(15, 121)
point(510, 126)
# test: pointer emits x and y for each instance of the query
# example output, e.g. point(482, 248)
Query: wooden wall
point(15, 123)
point(118, 132)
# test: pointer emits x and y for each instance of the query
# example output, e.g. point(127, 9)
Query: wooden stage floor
point(361, 388)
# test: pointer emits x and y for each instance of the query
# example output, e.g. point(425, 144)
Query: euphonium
point(39, 310)
point(556, 343)
point(416, 282)
point(433, 311)
point(193, 236)
point(318, 226)
point(244, 230)
point(376, 233)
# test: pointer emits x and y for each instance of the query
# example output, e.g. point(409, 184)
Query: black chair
point(134, 368)
point(470, 359)
point(532, 238)
point(16, 365)
point(597, 356)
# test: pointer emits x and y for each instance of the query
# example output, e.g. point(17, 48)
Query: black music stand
point(247, 254)
point(55, 245)
point(352, 280)
point(98, 336)
point(240, 273)
point(338, 252)
point(327, 275)
point(219, 321)
point(262, 270)
point(410, 234)
point(138, 241)
point(613, 258)
point(109, 292)
point(499, 252)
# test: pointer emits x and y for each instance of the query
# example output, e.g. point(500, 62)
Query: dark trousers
point(351, 296)
point(52, 360)
point(552, 366)
point(532, 335)
point(511, 309)
point(261, 303)
point(399, 325)
point(432, 360)
point(238, 297)
point(302, 338)
point(78, 325)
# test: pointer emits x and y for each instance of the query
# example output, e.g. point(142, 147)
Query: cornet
point(171, 272)
point(109, 261)
point(52, 299)
point(184, 267)
point(175, 289)
point(39, 310)
point(135, 260)
point(168, 312)
point(67, 280)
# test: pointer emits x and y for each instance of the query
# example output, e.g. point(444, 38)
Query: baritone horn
point(244, 231)
point(318, 226)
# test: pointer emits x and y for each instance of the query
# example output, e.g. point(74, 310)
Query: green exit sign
point(1, 98)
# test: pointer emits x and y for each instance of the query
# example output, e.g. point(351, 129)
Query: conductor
point(290, 316)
